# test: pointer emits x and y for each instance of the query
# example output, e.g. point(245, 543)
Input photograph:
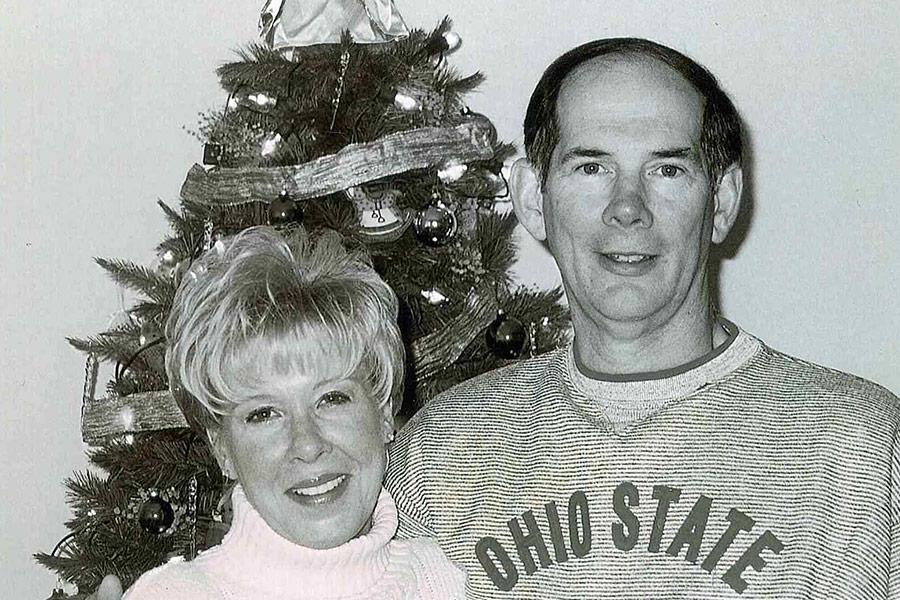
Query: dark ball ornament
point(506, 336)
point(213, 154)
point(284, 210)
point(435, 225)
point(156, 515)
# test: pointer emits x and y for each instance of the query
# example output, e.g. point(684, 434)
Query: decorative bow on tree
point(292, 23)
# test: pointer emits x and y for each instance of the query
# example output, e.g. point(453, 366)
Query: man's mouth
point(629, 258)
point(628, 264)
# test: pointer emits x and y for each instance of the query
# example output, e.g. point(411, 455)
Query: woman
point(293, 362)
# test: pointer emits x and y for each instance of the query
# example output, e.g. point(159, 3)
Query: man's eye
point(261, 414)
point(333, 398)
point(590, 168)
point(669, 171)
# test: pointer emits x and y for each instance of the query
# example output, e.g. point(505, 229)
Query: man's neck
point(644, 346)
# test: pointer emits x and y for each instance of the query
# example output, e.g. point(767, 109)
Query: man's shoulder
point(510, 383)
point(800, 379)
point(502, 394)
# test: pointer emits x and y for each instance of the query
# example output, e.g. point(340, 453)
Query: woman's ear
point(221, 451)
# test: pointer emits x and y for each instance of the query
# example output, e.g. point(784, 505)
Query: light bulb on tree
point(401, 100)
point(253, 100)
point(406, 102)
point(270, 144)
point(447, 42)
point(451, 172)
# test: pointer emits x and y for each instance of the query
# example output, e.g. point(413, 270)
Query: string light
point(406, 102)
point(452, 172)
point(253, 100)
point(270, 144)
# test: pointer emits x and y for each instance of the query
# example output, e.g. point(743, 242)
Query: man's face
point(626, 202)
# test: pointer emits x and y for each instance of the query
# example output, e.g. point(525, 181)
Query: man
point(665, 453)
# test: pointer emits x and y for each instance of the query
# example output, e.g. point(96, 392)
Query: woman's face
point(309, 454)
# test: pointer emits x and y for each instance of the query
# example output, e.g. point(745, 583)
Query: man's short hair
point(264, 306)
point(720, 129)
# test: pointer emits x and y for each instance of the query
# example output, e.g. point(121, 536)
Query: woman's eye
point(669, 171)
point(590, 168)
point(260, 415)
point(333, 398)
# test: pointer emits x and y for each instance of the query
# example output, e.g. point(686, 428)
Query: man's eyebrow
point(687, 152)
point(582, 152)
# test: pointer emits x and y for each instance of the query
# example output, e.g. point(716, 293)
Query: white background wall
point(93, 96)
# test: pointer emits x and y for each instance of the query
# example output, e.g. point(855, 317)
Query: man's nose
point(308, 443)
point(628, 207)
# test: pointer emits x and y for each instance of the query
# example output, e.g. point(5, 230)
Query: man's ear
point(527, 198)
point(727, 202)
point(221, 452)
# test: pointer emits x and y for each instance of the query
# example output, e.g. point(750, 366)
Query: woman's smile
point(321, 490)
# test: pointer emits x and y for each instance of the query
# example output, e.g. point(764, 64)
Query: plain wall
point(93, 97)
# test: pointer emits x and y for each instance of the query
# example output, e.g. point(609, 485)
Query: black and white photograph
point(394, 299)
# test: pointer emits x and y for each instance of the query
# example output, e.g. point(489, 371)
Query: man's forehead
point(616, 91)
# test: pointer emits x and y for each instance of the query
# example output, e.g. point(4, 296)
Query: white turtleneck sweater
point(253, 562)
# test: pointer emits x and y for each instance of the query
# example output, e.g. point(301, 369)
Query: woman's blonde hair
point(259, 306)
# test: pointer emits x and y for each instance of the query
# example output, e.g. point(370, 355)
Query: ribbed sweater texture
point(749, 475)
point(253, 562)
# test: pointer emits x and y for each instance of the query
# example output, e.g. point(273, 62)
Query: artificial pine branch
point(157, 287)
point(109, 346)
point(498, 248)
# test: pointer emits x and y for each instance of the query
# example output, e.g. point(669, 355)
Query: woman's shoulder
point(174, 580)
point(437, 577)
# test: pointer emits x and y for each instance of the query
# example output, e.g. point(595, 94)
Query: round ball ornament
point(284, 210)
point(435, 225)
point(156, 515)
point(506, 336)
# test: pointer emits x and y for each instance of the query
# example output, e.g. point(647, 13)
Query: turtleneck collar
point(352, 568)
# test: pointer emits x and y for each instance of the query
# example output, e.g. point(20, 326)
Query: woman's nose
point(627, 208)
point(308, 443)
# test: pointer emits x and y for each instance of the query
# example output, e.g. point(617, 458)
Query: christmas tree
point(339, 119)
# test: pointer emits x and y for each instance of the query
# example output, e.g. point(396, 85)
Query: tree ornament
point(380, 217)
point(435, 225)
point(156, 515)
point(485, 126)
point(506, 336)
point(158, 512)
point(286, 24)
point(284, 210)
point(213, 153)
point(58, 593)
point(339, 88)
